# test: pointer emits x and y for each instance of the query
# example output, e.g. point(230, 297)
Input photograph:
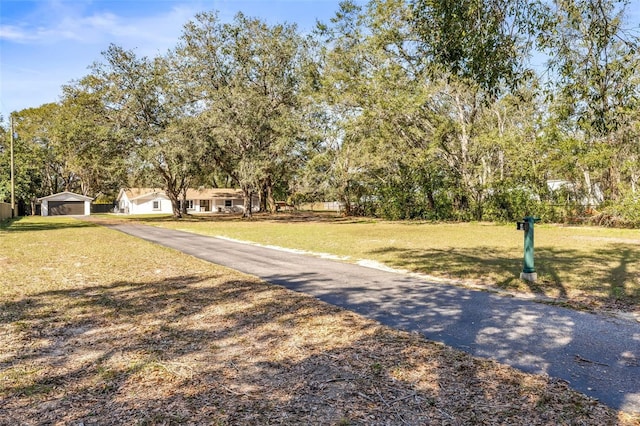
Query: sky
point(45, 44)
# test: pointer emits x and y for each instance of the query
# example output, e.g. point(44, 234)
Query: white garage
point(65, 203)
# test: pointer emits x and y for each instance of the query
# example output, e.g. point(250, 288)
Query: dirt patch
point(223, 349)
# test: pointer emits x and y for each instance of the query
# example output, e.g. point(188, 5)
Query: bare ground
point(221, 349)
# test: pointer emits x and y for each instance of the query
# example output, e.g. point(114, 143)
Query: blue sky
point(45, 44)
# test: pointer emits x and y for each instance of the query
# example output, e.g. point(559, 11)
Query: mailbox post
point(528, 271)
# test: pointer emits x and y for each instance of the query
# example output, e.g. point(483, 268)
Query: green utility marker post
point(528, 271)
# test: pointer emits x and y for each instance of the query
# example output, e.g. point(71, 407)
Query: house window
point(156, 205)
point(205, 206)
point(189, 204)
point(228, 203)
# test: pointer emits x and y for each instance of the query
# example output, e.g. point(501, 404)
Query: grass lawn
point(97, 327)
point(588, 268)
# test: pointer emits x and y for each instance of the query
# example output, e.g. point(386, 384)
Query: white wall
point(146, 207)
point(44, 207)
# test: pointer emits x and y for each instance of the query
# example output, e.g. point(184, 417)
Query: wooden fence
point(5, 211)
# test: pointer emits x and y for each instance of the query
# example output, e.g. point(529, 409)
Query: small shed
point(65, 203)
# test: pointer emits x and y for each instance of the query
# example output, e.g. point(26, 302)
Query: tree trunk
point(271, 202)
point(267, 202)
point(248, 203)
point(174, 197)
point(183, 210)
point(587, 183)
point(347, 207)
point(479, 205)
point(466, 120)
point(262, 198)
point(175, 204)
point(613, 182)
point(431, 201)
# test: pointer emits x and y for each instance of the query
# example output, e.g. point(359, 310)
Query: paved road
point(597, 355)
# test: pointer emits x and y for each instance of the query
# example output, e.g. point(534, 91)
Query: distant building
point(155, 200)
point(65, 203)
point(579, 196)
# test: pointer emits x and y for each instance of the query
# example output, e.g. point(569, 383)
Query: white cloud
point(152, 34)
point(15, 34)
point(68, 25)
point(54, 43)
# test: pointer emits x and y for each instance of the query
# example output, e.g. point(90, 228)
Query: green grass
point(97, 326)
point(593, 267)
point(59, 253)
point(586, 266)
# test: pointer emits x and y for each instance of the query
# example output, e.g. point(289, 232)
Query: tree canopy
point(430, 109)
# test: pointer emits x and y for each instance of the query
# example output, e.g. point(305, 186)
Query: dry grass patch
point(130, 333)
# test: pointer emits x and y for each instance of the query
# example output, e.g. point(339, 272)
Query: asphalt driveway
point(599, 356)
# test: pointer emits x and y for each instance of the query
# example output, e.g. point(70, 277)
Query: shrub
point(623, 214)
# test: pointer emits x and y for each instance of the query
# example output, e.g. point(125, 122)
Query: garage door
point(57, 208)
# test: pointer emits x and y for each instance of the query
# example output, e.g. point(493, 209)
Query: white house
point(143, 201)
point(155, 200)
point(594, 198)
point(65, 203)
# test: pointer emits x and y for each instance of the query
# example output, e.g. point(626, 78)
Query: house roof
point(136, 193)
point(204, 194)
point(66, 196)
point(192, 194)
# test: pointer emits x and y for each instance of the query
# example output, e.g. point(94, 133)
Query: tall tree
point(246, 81)
point(374, 88)
point(36, 126)
point(481, 42)
point(477, 50)
point(145, 100)
point(341, 159)
point(88, 142)
point(36, 168)
point(595, 63)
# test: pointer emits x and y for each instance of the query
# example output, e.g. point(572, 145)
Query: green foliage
point(594, 97)
point(87, 141)
point(478, 41)
point(402, 109)
point(508, 202)
point(147, 102)
point(249, 75)
point(624, 213)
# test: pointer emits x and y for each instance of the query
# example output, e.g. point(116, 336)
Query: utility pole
point(13, 192)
